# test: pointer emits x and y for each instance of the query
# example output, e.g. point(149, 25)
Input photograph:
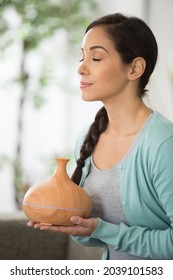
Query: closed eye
point(96, 59)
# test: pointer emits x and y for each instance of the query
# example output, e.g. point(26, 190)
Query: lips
point(85, 85)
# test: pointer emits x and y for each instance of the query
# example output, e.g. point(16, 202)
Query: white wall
point(161, 87)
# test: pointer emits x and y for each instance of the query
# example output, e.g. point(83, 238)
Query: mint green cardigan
point(146, 182)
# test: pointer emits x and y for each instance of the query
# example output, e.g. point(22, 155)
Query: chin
point(89, 98)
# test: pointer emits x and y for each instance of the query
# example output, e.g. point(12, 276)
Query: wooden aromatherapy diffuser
point(55, 200)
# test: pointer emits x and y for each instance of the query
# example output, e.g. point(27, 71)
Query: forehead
point(97, 36)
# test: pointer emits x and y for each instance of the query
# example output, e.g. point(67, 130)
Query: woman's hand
point(81, 227)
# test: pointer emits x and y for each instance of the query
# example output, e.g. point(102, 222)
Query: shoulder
point(156, 142)
point(158, 130)
point(162, 122)
point(79, 142)
point(81, 137)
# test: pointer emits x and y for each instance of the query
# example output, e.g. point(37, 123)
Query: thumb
point(78, 221)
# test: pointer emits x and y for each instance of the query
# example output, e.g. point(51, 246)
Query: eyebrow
point(97, 47)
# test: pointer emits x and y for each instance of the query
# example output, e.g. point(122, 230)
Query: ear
point(137, 68)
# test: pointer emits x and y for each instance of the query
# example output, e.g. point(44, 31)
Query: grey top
point(103, 186)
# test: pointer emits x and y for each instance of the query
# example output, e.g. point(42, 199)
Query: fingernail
point(36, 226)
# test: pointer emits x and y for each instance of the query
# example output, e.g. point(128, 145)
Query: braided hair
point(131, 38)
point(97, 127)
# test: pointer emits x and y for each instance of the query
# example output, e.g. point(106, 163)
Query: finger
point(79, 221)
point(63, 229)
point(37, 225)
point(30, 223)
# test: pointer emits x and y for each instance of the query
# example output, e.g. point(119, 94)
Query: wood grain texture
point(55, 200)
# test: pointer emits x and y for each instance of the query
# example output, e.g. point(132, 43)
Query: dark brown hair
point(132, 38)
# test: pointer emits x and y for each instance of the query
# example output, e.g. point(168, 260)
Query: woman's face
point(102, 73)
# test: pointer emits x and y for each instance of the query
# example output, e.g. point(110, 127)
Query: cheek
point(109, 73)
point(113, 82)
point(114, 75)
point(109, 79)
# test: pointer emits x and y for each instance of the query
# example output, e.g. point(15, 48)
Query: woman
point(125, 159)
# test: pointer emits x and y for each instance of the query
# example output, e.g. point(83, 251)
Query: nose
point(83, 69)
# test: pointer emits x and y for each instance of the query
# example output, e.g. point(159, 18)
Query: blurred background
point(41, 111)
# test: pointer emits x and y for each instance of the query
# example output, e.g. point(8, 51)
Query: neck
point(127, 117)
